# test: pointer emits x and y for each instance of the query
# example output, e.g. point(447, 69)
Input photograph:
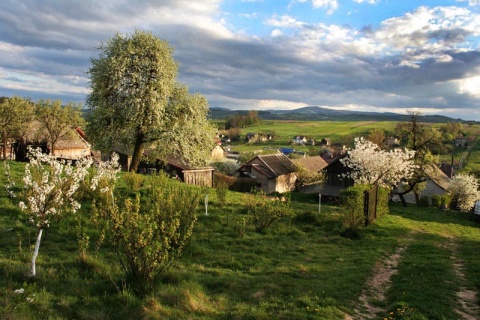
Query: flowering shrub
point(464, 190)
point(372, 165)
point(49, 187)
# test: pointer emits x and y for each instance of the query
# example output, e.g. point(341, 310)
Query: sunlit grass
point(301, 268)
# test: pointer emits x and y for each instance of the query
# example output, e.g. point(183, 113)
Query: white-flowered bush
point(370, 164)
point(49, 187)
point(464, 189)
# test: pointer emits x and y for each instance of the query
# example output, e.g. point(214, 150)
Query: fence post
point(365, 207)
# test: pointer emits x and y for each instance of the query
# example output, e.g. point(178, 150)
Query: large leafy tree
point(15, 112)
point(419, 138)
point(136, 102)
point(57, 121)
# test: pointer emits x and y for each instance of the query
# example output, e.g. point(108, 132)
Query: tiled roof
point(312, 164)
point(437, 176)
point(273, 165)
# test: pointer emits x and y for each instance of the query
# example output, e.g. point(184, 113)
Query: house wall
point(217, 153)
point(283, 183)
point(432, 189)
point(73, 154)
point(312, 188)
point(198, 177)
point(263, 181)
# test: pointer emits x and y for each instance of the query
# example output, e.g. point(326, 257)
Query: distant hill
point(319, 113)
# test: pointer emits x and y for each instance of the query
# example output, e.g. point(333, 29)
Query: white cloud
point(276, 33)
point(367, 1)
point(284, 21)
point(330, 5)
point(470, 86)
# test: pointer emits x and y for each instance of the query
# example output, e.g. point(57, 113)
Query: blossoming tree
point(464, 189)
point(371, 165)
point(49, 188)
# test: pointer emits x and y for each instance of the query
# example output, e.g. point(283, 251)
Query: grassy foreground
point(302, 268)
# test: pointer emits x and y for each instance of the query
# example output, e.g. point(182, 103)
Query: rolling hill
point(319, 113)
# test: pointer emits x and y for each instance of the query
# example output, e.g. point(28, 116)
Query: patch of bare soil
point(377, 286)
point(467, 298)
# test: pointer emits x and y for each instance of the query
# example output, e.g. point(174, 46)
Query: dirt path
point(467, 298)
point(377, 286)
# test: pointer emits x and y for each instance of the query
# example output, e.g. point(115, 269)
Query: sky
point(362, 55)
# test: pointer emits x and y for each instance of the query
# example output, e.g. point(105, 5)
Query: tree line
point(42, 123)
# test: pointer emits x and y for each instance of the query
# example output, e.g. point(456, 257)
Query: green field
point(303, 267)
point(342, 132)
point(335, 130)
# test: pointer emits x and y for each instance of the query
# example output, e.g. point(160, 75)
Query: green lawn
point(301, 268)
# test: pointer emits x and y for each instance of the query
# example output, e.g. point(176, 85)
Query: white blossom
point(371, 165)
point(107, 170)
point(50, 186)
point(464, 187)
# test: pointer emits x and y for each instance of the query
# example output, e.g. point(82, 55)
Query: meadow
point(302, 267)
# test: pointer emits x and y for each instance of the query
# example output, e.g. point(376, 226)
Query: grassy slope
point(301, 269)
point(286, 130)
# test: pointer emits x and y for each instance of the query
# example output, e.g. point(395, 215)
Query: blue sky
point(370, 55)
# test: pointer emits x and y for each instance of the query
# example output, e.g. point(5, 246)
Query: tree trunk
point(4, 145)
point(417, 199)
point(137, 152)
point(35, 252)
point(402, 198)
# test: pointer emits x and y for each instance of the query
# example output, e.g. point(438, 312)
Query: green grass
point(285, 131)
point(301, 268)
point(472, 163)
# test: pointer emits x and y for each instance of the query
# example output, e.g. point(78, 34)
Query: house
point(448, 169)
point(258, 137)
point(198, 176)
point(9, 149)
point(300, 139)
point(437, 183)
point(326, 142)
point(251, 137)
point(329, 157)
point(273, 172)
point(338, 148)
point(286, 151)
point(461, 141)
point(73, 147)
point(312, 165)
point(124, 157)
point(334, 177)
point(218, 153)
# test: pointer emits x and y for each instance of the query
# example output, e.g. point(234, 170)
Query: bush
point(436, 201)
point(352, 201)
point(133, 180)
point(150, 231)
point(221, 192)
point(244, 185)
point(264, 210)
point(353, 217)
point(424, 201)
point(221, 179)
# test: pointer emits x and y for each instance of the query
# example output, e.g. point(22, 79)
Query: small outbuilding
point(273, 172)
